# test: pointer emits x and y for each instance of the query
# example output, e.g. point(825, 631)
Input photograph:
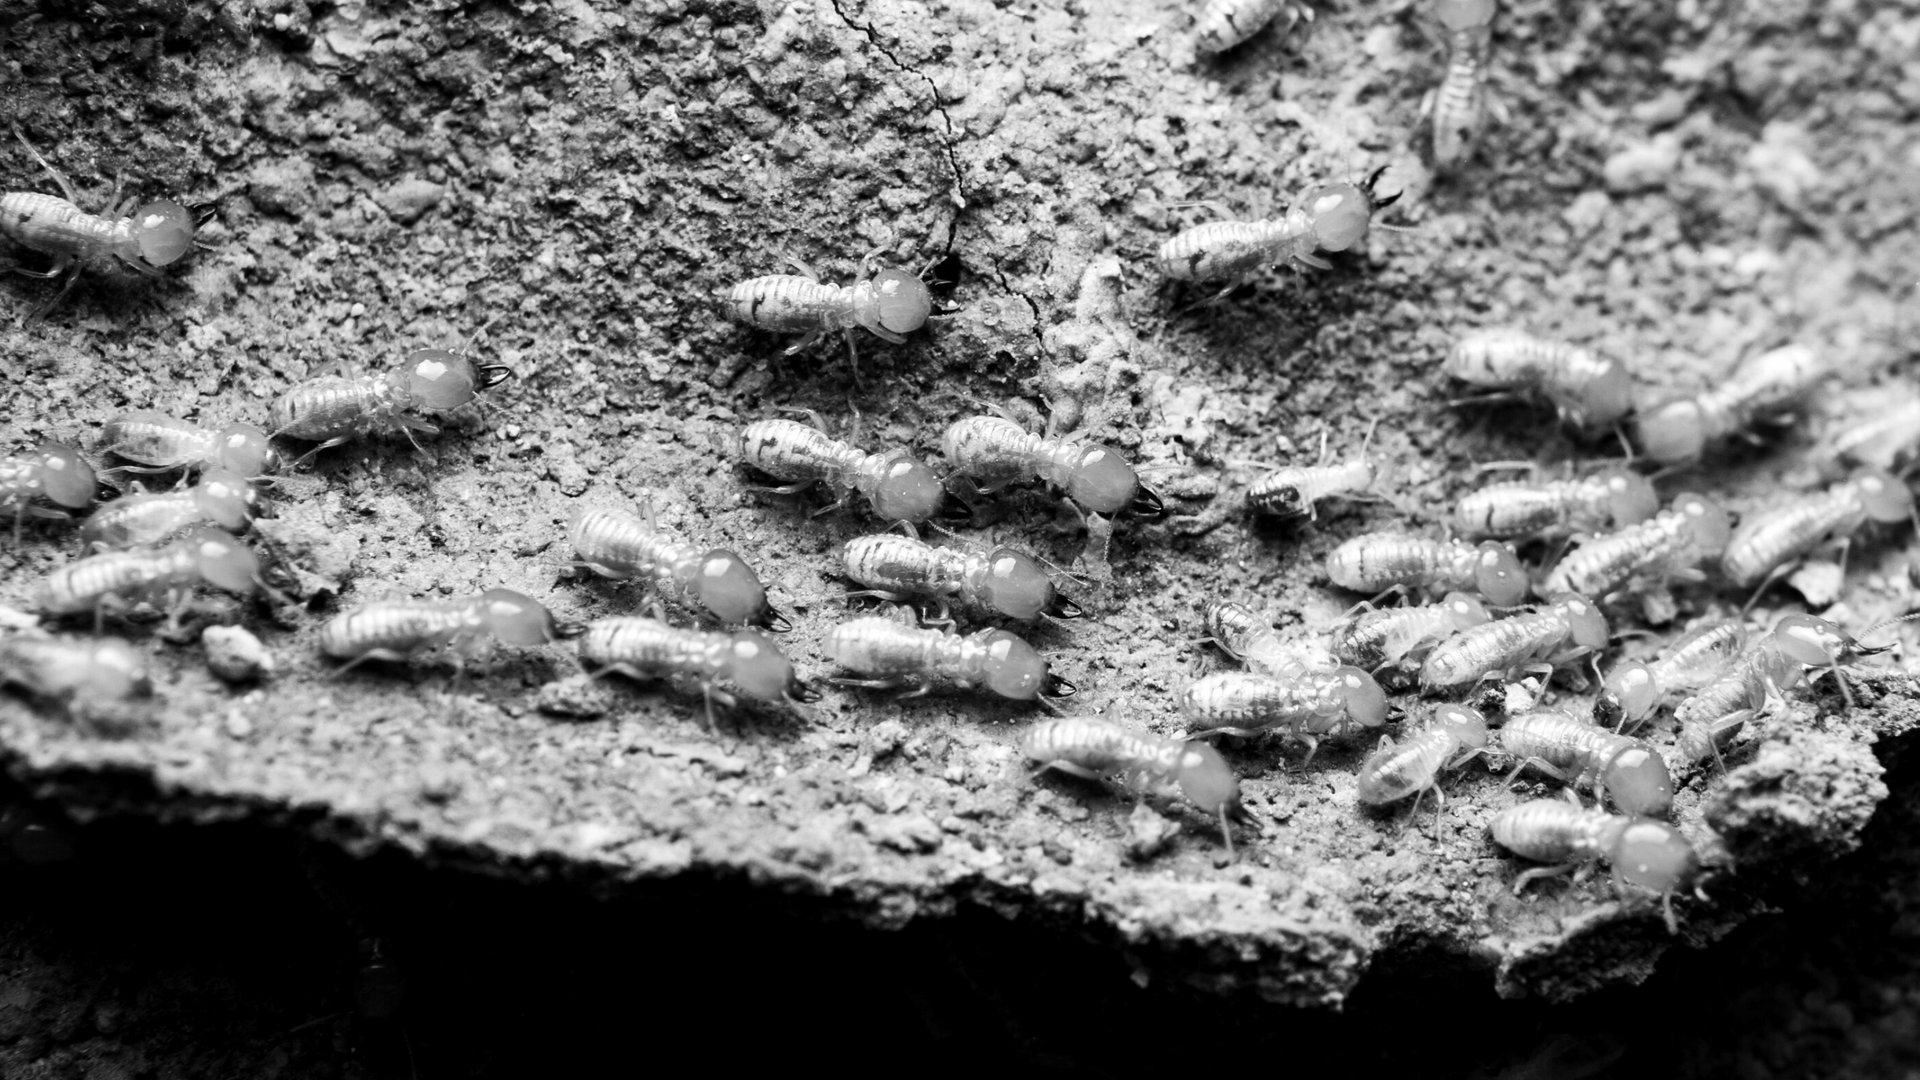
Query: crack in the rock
point(947, 142)
point(1039, 327)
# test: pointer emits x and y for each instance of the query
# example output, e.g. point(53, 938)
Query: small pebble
point(234, 654)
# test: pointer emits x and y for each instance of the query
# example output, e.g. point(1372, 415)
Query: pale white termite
point(895, 656)
point(155, 235)
point(52, 471)
point(1329, 217)
point(1223, 24)
point(888, 303)
point(161, 443)
point(1373, 562)
point(1574, 752)
point(898, 487)
point(1459, 103)
point(1392, 642)
point(1566, 629)
point(1886, 439)
point(1590, 393)
point(1306, 705)
point(616, 544)
point(996, 581)
point(1613, 499)
point(164, 577)
point(1716, 713)
point(1690, 531)
point(1294, 490)
point(1767, 542)
point(1456, 735)
point(403, 629)
point(993, 451)
point(333, 409)
point(218, 498)
point(1819, 645)
point(1252, 640)
point(1099, 749)
point(1768, 385)
point(62, 669)
point(1634, 690)
point(643, 648)
point(1650, 854)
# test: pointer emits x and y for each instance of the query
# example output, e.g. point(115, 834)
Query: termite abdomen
point(615, 544)
point(1396, 771)
point(1376, 561)
point(894, 656)
point(1099, 749)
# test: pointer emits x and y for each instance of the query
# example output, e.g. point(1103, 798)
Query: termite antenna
point(58, 177)
point(1882, 625)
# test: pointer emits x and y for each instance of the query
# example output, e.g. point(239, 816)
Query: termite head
point(65, 477)
point(224, 562)
point(1585, 625)
point(1630, 497)
point(762, 671)
point(1498, 575)
point(1340, 214)
point(1466, 723)
point(730, 589)
point(440, 380)
point(1464, 611)
point(1817, 642)
point(515, 618)
point(117, 671)
point(1208, 781)
point(1710, 526)
point(227, 499)
point(901, 302)
point(1673, 432)
point(1014, 670)
point(1361, 696)
point(1017, 585)
point(1457, 15)
point(244, 449)
point(1630, 693)
point(1653, 855)
point(1638, 780)
point(1104, 483)
point(906, 491)
point(1884, 497)
point(162, 232)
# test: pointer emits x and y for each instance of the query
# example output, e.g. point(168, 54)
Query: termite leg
point(58, 177)
point(328, 445)
point(1538, 872)
point(1543, 765)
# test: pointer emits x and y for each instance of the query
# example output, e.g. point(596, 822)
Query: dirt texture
point(1677, 187)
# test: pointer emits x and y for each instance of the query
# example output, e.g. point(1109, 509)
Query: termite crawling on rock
point(993, 451)
point(333, 409)
point(219, 498)
point(619, 545)
point(163, 577)
point(1223, 24)
point(1650, 854)
point(1566, 629)
point(1634, 690)
point(998, 581)
point(1329, 217)
point(161, 443)
point(1305, 705)
point(889, 303)
point(52, 471)
point(1767, 542)
point(1412, 766)
point(644, 648)
point(1671, 545)
point(1390, 641)
point(1514, 509)
point(402, 629)
point(893, 655)
point(1459, 103)
point(1099, 749)
point(1770, 384)
point(898, 487)
point(1252, 640)
point(1589, 392)
point(68, 668)
point(1297, 489)
point(1573, 751)
point(1372, 562)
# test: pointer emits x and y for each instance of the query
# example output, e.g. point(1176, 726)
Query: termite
point(333, 409)
point(999, 581)
point(898, 487)
point(1459, 103)
point(1575, 752)
point(644, 648)
point(163, 577)
point(155, 235)
point(1372, 562)
point(1568, 628)
point(219, 498)
point(1252, 640)
point(53, 471)
point(400, 630)
point(1763, 386)
point(1306, 705)
point(1822, 646)
point(1456, 735)
point(1296, 489)
point(916, 657)
point(1690, 531)
point(161, 443)
point(67, 668)
point(1634, 690)
point(1590, 393)
point(993, 451)
point(1766, 543)
point(1329, 217)
point(1650, 854)
point(1223, 24)
point(1884, 440)
point(1095, 748)
point(1519, 509)
point(888, 303)
point(1389, 641)
point(1715, 714)
point(620, 545)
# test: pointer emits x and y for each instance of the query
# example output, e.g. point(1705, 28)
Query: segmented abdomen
point(788, 450)
point(1495, 646)
point(1245, 701)
point(1408, 767)
point(1603, 564)
point(1524, 507)
point(1458, 104)
point(331, 406)
point(393, 626)
point(1374, 561)
point(1560, 741)
point(1551, 831)
point(156, 439)
point(53, 226)
point(1762, 543)
point(620, 545)
point(1228, 249)
point(653, 648)
point(1372, 638)
point(993, 447)
point(142, 519)
point(790, 302)
point(901, 564)
point(1222, 24)
point(880, 646)
point(126, 575)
